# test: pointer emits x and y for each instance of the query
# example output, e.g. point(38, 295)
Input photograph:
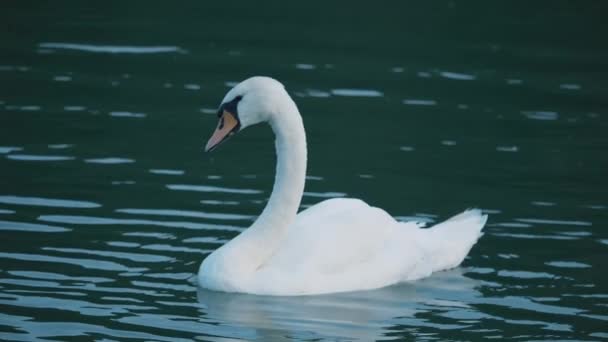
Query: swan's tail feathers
point(451, 240)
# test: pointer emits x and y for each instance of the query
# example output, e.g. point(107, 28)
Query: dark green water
point(108, 205)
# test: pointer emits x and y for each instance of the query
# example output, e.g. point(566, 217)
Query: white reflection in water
point(137, 257)
point(507, 148)
point(207, 188)
point(218, 202)
point(361, 316)
point(94, 264)
point(62, 78)
point(303, 66)
point(419, 102)
point(570, 86)
point(457, 76)
point(192, 86)
point(567, 264)
point(554, 222)
point(513, 81)
point(73, 108)
point(43, 158)
point(185, 213)
point(357, 92)
point(31, 227)
point(540, 115)
point(324, 194)
point(109, 160)
point(525, 274)
point(59, 146)
point(111, 48)
point(167, 172)
point(9, 149)
point(127, 115)
point(125, 182)
point(212, 111)
point(47, 202)
point(317, 93)
point(542, 203)
point(93, 220)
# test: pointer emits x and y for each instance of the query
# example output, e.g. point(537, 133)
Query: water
point(108, 205)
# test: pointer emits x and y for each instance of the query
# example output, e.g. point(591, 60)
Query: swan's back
point(345, 245)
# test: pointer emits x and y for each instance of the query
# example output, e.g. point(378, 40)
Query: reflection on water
point(360, 316)
point(108, 205)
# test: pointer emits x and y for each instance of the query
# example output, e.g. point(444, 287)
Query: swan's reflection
point(363, 315)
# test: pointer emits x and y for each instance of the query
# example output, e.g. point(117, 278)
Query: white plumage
point(334, 246)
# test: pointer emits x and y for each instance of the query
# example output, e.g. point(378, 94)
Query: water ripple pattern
point(108, 204)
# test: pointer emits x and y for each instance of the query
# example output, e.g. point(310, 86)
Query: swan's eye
point(230, 106)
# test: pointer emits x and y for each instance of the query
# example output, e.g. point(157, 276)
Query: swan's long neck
point(260, 241)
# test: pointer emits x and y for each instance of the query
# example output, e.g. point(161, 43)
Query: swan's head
point(250, 102)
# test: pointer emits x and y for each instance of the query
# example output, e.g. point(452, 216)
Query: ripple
point(567, 264)
point(9, 149)
point(324, 194)
point(304, 66)
point(43, 158)
point(218, 202)
point(92, 220)
point(170, 248)
point(317, 93)
point(109, 160)
point(536, 236)
point(192, 86)
point(570, 86)
point(541, 115)
point(47, 202)
point(514, 81)
point(62, 78)
point(457, 76)
point(6, 211)
point(543, 203)
point(207, 188)
point(418, 102)
point(185, 213)
point(30, 329)
point(59, 146)
point(113, 49)
point(507, 148)
point(356, 92)
point(31, 227)
point(58, 276)
point(93, 264)
point(167, 172)
point(525, 274)
point(554, 222)
point(136, 257)
point(127, 115)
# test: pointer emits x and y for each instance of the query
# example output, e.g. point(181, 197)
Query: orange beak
point(226, 127)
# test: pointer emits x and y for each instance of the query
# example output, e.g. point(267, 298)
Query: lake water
point(108, 204)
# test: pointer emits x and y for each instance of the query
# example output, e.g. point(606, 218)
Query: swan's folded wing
point(332, 236)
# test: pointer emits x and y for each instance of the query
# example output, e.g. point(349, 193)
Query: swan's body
point(334, 246)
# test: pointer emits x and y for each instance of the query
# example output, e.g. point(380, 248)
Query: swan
point(338, 245)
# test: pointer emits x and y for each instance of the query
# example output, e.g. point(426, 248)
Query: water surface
point(108, 204)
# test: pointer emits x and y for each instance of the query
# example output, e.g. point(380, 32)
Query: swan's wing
point(333, 236)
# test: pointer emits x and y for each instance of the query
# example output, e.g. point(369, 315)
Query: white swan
point(337, 245)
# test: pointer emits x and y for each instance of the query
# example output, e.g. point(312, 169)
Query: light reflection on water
point(108, 205)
